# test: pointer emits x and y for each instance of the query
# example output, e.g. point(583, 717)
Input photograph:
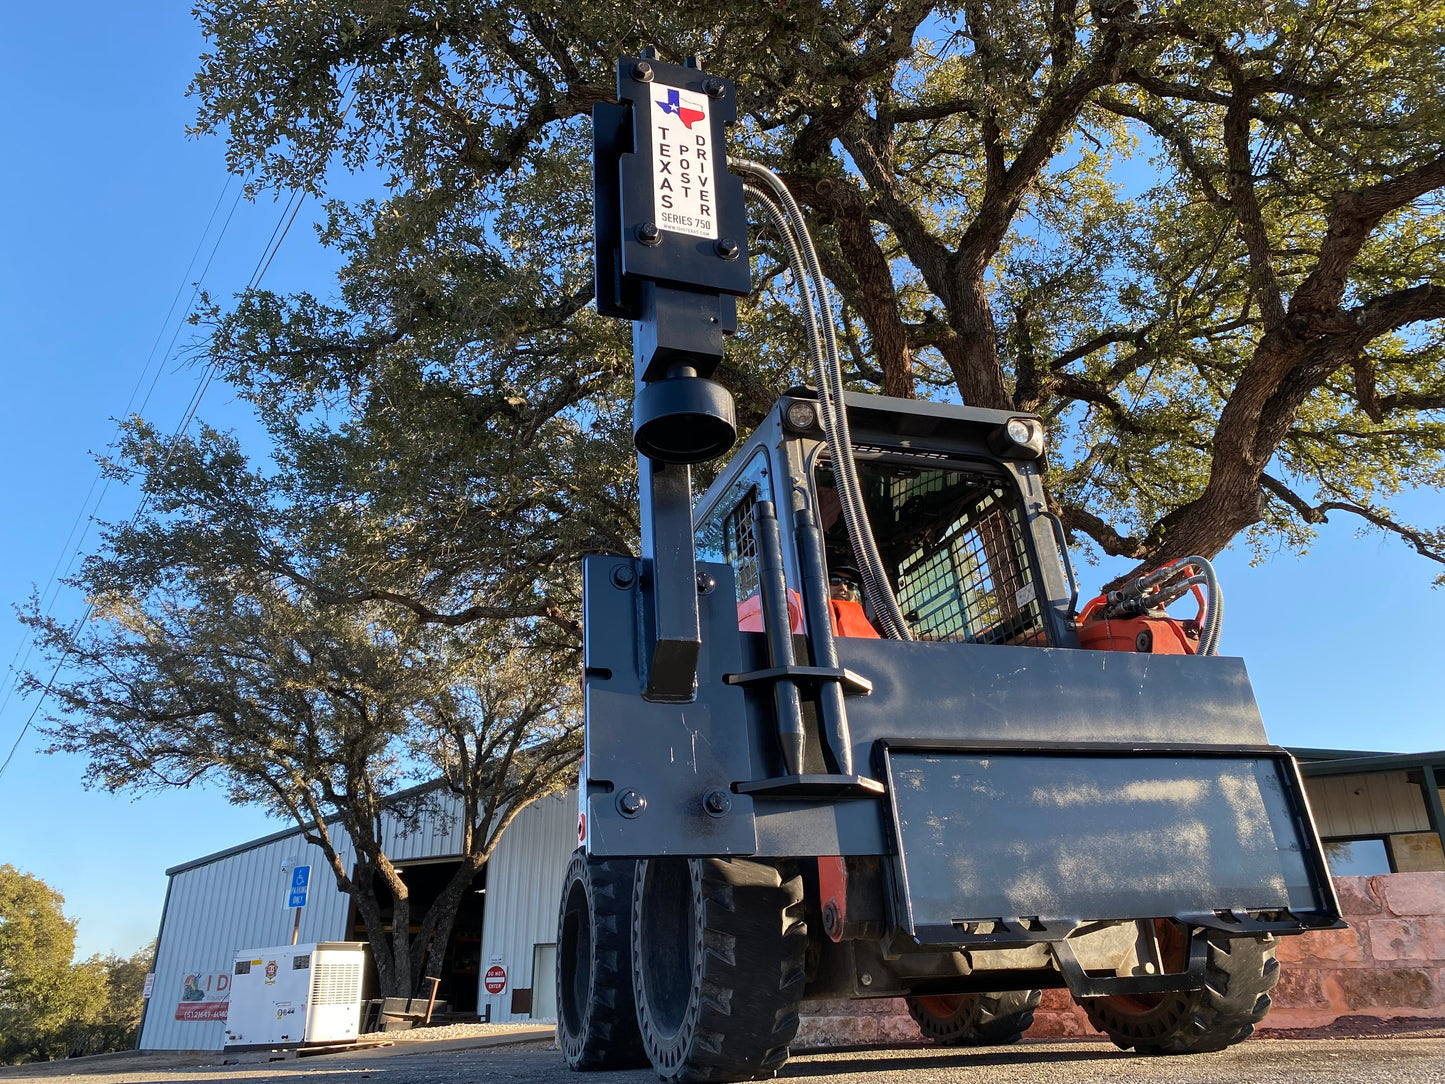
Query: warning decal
point(682, 162)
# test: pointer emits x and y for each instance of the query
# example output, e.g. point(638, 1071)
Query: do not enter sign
point(495, 979)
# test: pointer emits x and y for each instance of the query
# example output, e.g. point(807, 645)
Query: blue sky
point(108, 202)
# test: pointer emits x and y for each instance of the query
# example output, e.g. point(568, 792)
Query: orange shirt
point(850, 620)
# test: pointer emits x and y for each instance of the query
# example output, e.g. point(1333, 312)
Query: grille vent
point(335, 983)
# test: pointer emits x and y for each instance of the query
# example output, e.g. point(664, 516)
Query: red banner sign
point(204, 996)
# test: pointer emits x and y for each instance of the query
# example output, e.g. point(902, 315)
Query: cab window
point(953, 546)
point(725, 532)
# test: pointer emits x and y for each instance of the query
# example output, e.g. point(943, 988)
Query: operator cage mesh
point(952, 543)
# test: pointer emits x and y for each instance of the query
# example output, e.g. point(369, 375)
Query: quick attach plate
point(1031, 841)
point(658, 775)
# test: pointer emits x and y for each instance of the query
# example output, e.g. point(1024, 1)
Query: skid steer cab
point(847, 734)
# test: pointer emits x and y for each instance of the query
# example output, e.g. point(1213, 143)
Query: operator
point(845, 600)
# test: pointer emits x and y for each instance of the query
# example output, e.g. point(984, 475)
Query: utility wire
point(88, 510)
point(263, 264)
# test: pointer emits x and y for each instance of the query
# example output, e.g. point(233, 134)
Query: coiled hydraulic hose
point(768, 189)
point(1164, 585)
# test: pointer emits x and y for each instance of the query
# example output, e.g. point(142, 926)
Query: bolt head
point(714, 87)
point(716, 802)
point(630, 803)
point(623, 576)
point(642, 71)
point(832, 920)
point(705, 583)
point(649, 234)
point(727, 248)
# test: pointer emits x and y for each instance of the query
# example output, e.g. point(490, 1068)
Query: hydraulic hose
point(1162, 586)
point(768, 189)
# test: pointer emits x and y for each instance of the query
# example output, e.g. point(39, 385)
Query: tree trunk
point(430, 947)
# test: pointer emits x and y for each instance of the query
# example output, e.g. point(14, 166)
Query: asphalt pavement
point(1400, 1059)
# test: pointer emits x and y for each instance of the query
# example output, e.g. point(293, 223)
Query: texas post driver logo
point(682, 162)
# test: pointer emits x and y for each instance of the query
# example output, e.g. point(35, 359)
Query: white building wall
point(236, 900)
point(1380, 803)
point(215, 909)
point(524, 889)
point(436, 830)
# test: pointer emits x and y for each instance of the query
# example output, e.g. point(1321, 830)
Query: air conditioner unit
point(296, 994)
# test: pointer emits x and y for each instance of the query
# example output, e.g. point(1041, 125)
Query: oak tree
point(223, 644)
point(1201, 238)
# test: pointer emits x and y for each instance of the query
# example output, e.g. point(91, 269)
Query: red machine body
point(1153, 633)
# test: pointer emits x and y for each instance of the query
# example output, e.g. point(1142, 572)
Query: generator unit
point(296, 994)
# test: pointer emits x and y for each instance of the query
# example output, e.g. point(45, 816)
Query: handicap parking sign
point(300, 881)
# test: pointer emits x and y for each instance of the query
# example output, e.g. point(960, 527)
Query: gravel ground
point(449, 1031)
point(1396, 1060)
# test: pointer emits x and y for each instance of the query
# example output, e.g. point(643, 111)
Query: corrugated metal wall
point(212, 911)
point(237, 900)
point(1366, 805)
point(524, 889)
point(435, 831)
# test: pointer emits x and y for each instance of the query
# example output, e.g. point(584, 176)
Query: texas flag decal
point(683, 162)
point(673, 105)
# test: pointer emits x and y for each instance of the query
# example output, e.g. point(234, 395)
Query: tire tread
point(1239, 975)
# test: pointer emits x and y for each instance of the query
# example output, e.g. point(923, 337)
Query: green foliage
point(1203, 239)
point(281, 629)
point(49, 1007)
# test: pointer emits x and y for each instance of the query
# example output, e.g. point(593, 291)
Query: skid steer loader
point(959, 790)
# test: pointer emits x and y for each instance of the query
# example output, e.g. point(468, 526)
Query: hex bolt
point(649, 234)
point(705, 583)
point(716, 802)
point(714, 87)
point(727, 248)
point(832, 920)
point(623, 576)
point(866, 979)
point(642, 71)
point(630, 803)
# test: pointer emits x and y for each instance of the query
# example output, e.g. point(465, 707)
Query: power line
point(263, 264)
point(86, 514)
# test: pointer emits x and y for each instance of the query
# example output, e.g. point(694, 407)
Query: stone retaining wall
point(1390, 962)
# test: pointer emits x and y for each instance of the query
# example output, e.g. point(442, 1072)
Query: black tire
point(974, 1019)
point(1240, 972)
point(596, 1015)
point(717, 966)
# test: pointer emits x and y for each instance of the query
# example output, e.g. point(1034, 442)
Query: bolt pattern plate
point(650, 766)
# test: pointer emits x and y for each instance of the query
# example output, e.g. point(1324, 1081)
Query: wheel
point(596, 1015)
point(974, 1019)
point(717, 965)
point(1239, 974)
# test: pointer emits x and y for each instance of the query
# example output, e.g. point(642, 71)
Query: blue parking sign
point(300, 881)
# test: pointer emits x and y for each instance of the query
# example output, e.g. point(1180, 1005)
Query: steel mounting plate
point(1049, 837)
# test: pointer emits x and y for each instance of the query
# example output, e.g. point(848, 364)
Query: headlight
point(801, 416)
point(1018, 438)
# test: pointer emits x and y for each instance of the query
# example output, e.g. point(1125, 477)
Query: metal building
point(237, 899)
point(1377, 813)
